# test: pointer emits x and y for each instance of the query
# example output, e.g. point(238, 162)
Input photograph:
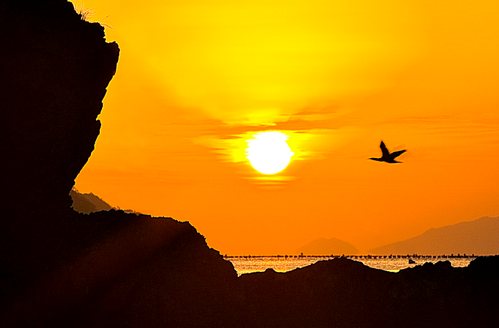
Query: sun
point(268, 152)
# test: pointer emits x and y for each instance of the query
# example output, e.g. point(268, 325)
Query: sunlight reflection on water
point(245, 265)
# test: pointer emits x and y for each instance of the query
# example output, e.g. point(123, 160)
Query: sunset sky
point(197, 79)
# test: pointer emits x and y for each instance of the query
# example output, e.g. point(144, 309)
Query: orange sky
point(196, 79)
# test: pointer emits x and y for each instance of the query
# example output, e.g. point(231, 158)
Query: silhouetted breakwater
point(354, 257)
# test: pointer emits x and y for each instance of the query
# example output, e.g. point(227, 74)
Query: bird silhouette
point(387, 156)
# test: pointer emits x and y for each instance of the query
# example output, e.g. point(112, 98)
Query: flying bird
point(387, 156)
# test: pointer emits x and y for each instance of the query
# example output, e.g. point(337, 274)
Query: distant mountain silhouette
point(323, 246)
point(472, 237)
point(87, 203)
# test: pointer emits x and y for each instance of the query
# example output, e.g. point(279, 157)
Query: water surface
point(249, 264)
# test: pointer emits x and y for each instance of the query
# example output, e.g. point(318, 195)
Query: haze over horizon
point(195, 81)
point(477, 237)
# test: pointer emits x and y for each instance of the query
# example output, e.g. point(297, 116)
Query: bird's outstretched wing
point(384, 151)
point(397, 153)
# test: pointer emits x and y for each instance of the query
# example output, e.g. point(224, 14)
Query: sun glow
point(268, 152)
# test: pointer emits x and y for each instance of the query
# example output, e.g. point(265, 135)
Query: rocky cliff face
point(59, 268)
point(55, 70)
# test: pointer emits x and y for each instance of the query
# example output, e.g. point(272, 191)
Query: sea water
point(249, 264)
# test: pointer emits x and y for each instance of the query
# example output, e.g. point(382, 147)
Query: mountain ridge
point(479, 237)
point(88, 202)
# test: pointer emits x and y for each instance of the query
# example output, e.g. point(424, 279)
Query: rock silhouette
point(60, 268)
point(387, 156)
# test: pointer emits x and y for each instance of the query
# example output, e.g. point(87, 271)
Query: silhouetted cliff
point(55, 70)
point(59, 268)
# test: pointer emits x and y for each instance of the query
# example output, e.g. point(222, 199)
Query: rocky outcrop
point(55, 68)
point(344, 293)
point(60, 268)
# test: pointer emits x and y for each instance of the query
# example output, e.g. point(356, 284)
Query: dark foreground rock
point(344, 293)
point(59, 268)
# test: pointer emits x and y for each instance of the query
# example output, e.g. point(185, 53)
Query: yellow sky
point(196, 79)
